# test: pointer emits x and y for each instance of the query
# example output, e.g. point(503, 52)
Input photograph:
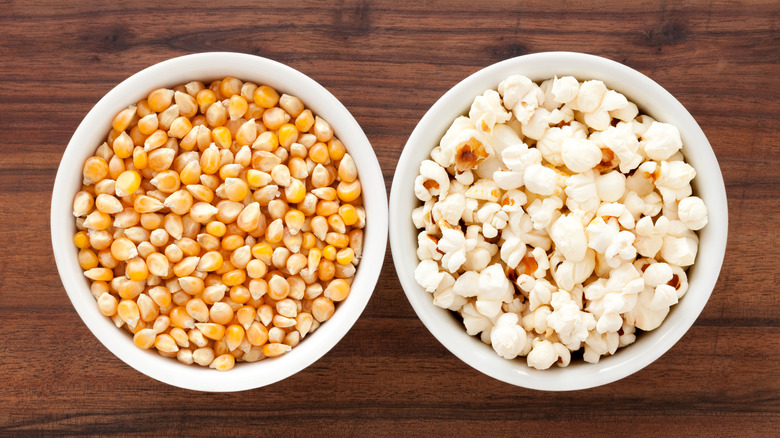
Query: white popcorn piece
point(441, 157)
point(432, 181)
point(508, 179)
point(611, 186)
point(454, 245)
point(513, 201)
point(544, 212)
point(664, 297)
point(515, 306)
point(467, 284)
point(565, 89)
point(486, 111)
point(661, 141)
point(472, 205)
point(568, 274)
point(648, 205)
point(600, 119)
point(569, 237)
point(625, 114)
point(644, 315)
point(542, 262)
point(618, 294)
point(679, 281)
point(650, 237)
point(619, 211)
point(642, 182)
point(551, 143)
point(494, 290)
point(543, 119)
point(493, 219)
point(590, 95)
point(598, 345)
point(601, 233)
point(549, 100)
point(540, 294)
point(621, 249)
point(628, 337)
point(445, 297)
point(641, 124)
point(582, 193)
point(503, 137)
point(427, 247)
point(519, 157)
point(477, 259)
point(427, 275)
point(513, 249)
point(521, 95)
point(422, 217)
point(622, 141)
point(656, 274)
point(450, 209)
point(465, 178)
point(542, 355)
point(570, 323)
point(580, 154)
point(674, 181)
point(680, 251)
point(540, 180)
point(474, 321)
point(464, 146)
point(692, 212)
point(521, 226)
point(485, 190)
point(507, 337)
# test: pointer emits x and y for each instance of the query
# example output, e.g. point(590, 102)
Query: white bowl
point(651, 99)
point(209, 66)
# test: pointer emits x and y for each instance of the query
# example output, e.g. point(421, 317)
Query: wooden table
point(388, 62)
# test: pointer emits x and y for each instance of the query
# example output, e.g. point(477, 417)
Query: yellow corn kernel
point(247, 133)
point(237, 107)
point(221, 313)
point(246, 316)
point(256, 269)
point(294, 220)
point(337, 224)
point(156, 140)
point(209, 160)
point(278, 287)
point(304, 121)
point(116, 166)
point(147, 204)
point(348, 214)
point(263, 252)
point(288, 134)
point(160, 99)
point(322, 308)
point(165, 343)
point(149, 221)
point(211, 330)
point(179, 202)
point(339, 240)
point(221, 136)
point(326, 270)
point(266, 141)
point(192, 285)
point(180, 318)
point(275, 349)
point(274, 118)
point(198, 310)
point(241, 257)
point(322, 129)
point(166, 181)
point(216, 115)
point(257, 334)
point(180, 127)
point(204, 99)
point(145, 338)
point(298, 168)
point(256, 178)
point(128, 311)
point(95, 170)
point(236, 189)
point(295, 192)
point(127, 183)
point(336, 149)
point(147, 308)
point(234, 277)
point(345, 256)
point(123, 146)
point(308, 241)
point(82, 203)
point(81, 240)
point(124, 119)
point(148, 124)
point(210, 261)
point(295, 263)
point(99, 274)
point(158, 264)
point(123, 249)
point(216, 228)
point(265, 96)
point(275, 231)
point(136, 269)
point(224, 362)
point(347, 169)
point(329, 252)
point(319, 153)
point(137, 137)
point(187, 265)
point(87, 259)
point(107, 304)
point(201, 193)
point(230, 86)
point(232, 242)
point(140, 158)
point(291, 104)
point(97, 220)
point(234, 334)
point(348, 192)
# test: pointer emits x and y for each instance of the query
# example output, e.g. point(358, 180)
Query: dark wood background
point(388, 62)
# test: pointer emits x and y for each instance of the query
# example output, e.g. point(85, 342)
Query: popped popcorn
point(556, 218)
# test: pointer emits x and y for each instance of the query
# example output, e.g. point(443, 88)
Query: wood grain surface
point(388, 62)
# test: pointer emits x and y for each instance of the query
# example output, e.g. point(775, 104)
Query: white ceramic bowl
point(209, 66)
point(651, 99)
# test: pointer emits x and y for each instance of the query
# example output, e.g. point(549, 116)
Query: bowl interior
point(653, 100)
point(204, 67)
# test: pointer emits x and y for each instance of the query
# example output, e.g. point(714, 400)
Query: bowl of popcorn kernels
point(219, 221)
point(558, 220)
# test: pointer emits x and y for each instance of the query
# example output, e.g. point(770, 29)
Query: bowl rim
point(203, 66)
point(470, 349)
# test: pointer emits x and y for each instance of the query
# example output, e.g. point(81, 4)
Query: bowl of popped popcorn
point(219, 221)
point(558, 220)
